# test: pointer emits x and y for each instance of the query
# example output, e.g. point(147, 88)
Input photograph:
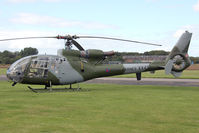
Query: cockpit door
point(38, 68)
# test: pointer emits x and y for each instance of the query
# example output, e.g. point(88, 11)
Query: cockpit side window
point(39, 67)
point(39, 64)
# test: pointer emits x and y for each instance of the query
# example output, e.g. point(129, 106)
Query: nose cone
point(14, 75)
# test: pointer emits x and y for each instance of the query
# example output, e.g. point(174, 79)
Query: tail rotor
point(178, 60)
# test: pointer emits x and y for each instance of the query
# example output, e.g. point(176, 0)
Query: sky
point(155, 21)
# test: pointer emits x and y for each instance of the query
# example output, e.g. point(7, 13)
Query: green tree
point(28, 51)
point(156, 52)
point(7, 57)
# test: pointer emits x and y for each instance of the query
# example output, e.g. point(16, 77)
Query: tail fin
point(178, 59)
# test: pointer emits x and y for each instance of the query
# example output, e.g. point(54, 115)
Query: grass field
point(3, 71)
point(105, 108)
point(187, 74)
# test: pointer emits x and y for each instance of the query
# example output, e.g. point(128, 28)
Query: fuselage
point(73, 66)
point(69, 68)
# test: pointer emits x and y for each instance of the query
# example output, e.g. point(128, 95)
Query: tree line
point(8, 57)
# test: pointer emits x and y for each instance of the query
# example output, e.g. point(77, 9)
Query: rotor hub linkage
point(68, 44)
point(67, 37)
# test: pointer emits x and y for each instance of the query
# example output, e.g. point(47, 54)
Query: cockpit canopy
point(36, 66)
point(16, 71)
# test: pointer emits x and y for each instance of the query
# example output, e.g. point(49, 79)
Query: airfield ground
point(105, 108)
point(187, 74)
point(146, 81)
point(3, 71)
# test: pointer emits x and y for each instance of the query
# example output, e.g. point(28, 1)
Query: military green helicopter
point(74, 66)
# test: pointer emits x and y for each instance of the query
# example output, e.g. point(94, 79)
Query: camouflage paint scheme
point(73, 66)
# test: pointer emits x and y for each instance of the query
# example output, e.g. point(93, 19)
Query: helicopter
point(75, 66)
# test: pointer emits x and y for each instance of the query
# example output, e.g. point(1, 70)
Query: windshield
point(21, 63)
point(16, 70)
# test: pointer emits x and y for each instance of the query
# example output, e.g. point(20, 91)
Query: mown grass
point(3, 71)
point(187, 74)
point(105, 108)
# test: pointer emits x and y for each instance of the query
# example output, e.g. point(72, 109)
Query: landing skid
point(40, 90)
point(50, 89)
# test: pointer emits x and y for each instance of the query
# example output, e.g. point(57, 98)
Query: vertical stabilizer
point(178, 59)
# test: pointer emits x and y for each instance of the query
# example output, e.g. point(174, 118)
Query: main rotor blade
point(9, 39)
point(77, 45)
point(76, 37)
point(117, 39)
